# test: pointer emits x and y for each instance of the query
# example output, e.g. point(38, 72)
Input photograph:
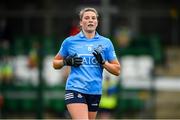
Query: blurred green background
point(145, 34)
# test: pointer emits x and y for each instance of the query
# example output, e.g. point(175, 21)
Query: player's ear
point(80, 23)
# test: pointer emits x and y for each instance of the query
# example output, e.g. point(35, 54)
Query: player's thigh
point(93, 103)
point(92, 115)
point(76, 104)
point(78, 110)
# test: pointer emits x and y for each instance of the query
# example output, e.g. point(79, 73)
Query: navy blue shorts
point(76, 97)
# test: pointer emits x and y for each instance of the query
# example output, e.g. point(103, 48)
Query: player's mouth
point(90, 25)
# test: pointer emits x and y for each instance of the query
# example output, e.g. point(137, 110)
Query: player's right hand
point(73, 60)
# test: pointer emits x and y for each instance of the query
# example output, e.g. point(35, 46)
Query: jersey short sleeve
point(63, 51)
point(111, 55)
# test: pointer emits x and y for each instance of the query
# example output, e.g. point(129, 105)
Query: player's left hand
point(98, 57)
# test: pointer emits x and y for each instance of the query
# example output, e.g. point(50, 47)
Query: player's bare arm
point(112, 67)
point(58, 62)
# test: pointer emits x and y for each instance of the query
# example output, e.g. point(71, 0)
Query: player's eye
point(86, 18)
point(94, 18)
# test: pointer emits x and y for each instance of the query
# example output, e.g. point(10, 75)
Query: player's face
point(89, 22)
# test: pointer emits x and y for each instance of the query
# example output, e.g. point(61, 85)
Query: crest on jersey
point(99, 48)
point(89, 48)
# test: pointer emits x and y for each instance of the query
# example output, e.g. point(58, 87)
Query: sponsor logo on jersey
point(89, 60)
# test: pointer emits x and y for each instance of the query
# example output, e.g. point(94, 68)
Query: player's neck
point(89, 35)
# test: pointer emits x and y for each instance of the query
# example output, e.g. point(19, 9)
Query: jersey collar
point(81, 34)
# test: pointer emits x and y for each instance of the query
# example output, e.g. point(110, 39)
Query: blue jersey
point(87, 78)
